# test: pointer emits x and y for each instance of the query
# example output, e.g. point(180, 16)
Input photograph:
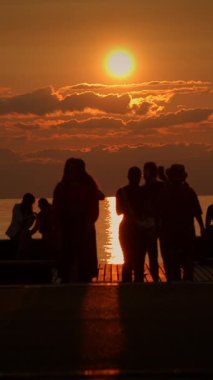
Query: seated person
point(44, 225)
point(43, 222)
point(23, 218)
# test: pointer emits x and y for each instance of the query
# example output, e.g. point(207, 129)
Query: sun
point(120, 63)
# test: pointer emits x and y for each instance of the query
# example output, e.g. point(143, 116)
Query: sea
point(108, 246)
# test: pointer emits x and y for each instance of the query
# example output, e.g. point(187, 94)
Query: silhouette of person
point(208, 237)
point(150, 193)
point(178, 207)
point(23, 218)
point(128, 200)
point(161, 174)
point(209, 219)
point(44, 224)
point(76, 209)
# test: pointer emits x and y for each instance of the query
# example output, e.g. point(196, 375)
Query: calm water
point(107, 226)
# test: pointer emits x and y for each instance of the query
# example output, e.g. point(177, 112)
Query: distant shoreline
point(107, 196)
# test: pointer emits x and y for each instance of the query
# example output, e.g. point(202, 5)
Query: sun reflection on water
point(112, 246)
point(109, 249)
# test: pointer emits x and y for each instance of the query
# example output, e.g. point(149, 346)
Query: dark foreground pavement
point(147, 331)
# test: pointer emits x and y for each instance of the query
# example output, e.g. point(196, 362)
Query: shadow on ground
point(137, 330)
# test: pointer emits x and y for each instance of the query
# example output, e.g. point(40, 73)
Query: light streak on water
point(116, 256)
point(107, 226)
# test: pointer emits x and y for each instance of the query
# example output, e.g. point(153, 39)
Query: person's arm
point(36, 226)
point(209, 216)
point(119, 203)
point(29, 220)
point(122, 204)
point(198, 213)
point(16, 222)
point(201, 224)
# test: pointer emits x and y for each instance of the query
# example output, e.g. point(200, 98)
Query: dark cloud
point(110, 99)
point(119, 104)
point(45, 101)
point(89, 116)
point(182, 126)
point(144, 108)
point(55, 155)
point(38, 102)
point(177, 118)
point(28, 127)
point(92, 123)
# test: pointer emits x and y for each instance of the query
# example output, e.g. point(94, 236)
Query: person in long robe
point(75, 211)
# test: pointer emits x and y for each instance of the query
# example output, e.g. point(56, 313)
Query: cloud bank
point(101, 123)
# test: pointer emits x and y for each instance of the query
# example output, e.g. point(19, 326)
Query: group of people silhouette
point(161, 210)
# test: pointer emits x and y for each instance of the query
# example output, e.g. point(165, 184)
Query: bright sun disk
point(120, 63)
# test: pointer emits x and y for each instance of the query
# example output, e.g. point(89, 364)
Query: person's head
point(43, 203)
point(150, 171)
point(176, 173)
point(80, 166)
point(134, 175)
point(27, 202)
point(28, 199)
point(74, 168)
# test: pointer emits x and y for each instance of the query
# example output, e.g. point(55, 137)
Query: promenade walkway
point(112, 273)
point(143, 331)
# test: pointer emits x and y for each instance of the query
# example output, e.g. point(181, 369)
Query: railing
point(112, 273)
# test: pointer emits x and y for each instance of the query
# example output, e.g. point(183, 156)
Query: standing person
point(209, 219)
point(23, 218)
point(76, 209)
point(128, 200)
point(179, 206)
point(208, 238)
point(150, 192)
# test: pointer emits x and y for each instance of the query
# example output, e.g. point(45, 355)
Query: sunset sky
point(58, 99)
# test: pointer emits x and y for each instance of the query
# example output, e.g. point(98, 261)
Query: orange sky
point(57, 100)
